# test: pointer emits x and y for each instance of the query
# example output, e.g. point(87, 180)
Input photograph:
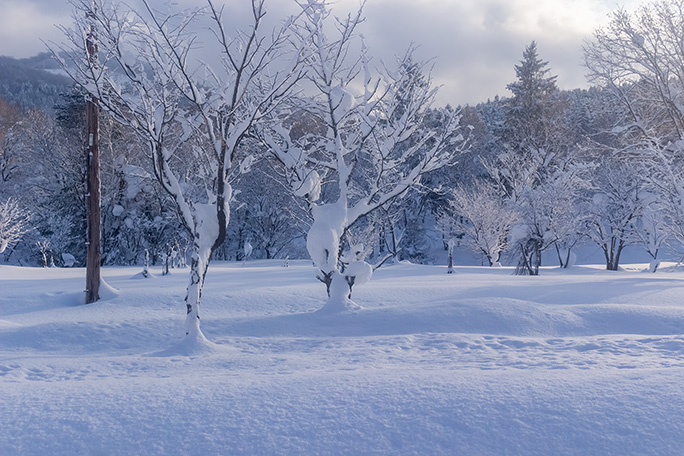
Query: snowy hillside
point(481, 362)
point(35, 82)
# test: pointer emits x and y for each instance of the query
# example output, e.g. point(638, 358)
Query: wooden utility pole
point(93, 194)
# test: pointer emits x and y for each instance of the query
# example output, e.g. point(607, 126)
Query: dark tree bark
point(93, 195)
point(530, 258)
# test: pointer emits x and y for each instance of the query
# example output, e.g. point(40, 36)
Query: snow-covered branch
point(350, 152)
point(194, 117)
point(14, 223)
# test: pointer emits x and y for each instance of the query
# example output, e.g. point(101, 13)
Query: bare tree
point(639, 57)
point(613, 210)
point(10, 122)
point(371, 146)
point(482, 215)
point(549, 216)
point(653, 227)
point(542, 187)
point(193, 117)
point(14, 223)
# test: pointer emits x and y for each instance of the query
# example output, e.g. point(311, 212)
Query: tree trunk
point(325, 278)
point(393, 249)
point(93, 196)
point(612, 253)
point(537, 256)
point(562, 263)
point(451, 245)
point(609, 261)
point(203, 245)
point(339, 293)
point(523, 267)
point(146, 266)
point(611, 264)
point(93, 199)
point(198, 270)
point(488, 255)
point(530, 258)
point(616, 257)
point(165, 266)
point(567, 259)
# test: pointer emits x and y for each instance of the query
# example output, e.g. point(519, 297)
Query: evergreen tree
point(537, 159)
point(529, 114)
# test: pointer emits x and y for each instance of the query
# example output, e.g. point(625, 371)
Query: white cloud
point(23, 24)
point(475, 43)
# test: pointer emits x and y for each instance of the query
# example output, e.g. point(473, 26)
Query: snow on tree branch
point(14, 223)
point(351, 151)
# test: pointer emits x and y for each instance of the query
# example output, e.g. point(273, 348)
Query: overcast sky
point(475, 43)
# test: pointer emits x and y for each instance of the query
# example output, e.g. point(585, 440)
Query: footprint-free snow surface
point(480, 362)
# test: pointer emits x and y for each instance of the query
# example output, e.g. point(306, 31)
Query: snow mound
point(579, 361)
point(338, 307)
point(141, 275)
point(69, 260)
point(361, 271)
point(192, 346)
point(62, 299)
point(107, 292)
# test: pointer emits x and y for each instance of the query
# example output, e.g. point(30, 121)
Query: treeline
point(539, 170)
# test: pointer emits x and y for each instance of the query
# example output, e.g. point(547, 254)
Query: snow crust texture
point(480, 362)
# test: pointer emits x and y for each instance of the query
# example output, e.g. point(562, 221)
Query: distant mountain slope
point(34, 82)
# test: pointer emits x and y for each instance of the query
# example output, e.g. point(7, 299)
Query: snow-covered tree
point(370, 146)
point(653, 229)
point(531, 113)
point(638, 56)
point(543, 190)
point(193, 116)
point(266, 214)
point(14, 223)
point(482, 216)
point(536, 170)
point(46, 177)
point(549, 217)
point(10, 120)
point(614, 208)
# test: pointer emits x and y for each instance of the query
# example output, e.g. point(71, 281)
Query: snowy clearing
point(480, 362)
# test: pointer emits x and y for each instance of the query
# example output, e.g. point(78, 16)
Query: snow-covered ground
point(481, 362)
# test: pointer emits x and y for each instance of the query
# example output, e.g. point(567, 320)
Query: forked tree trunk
point(530, 258)
point(567, 259)
point(562, 263)
point(339, 295)
point(612, 254)
point(490, 258)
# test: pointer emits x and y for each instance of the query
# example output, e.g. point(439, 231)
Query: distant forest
point(539, 170)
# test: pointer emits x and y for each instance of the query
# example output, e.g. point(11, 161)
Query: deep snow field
point(480, 362)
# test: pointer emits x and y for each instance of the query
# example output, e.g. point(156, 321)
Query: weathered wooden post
point(93, 194)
